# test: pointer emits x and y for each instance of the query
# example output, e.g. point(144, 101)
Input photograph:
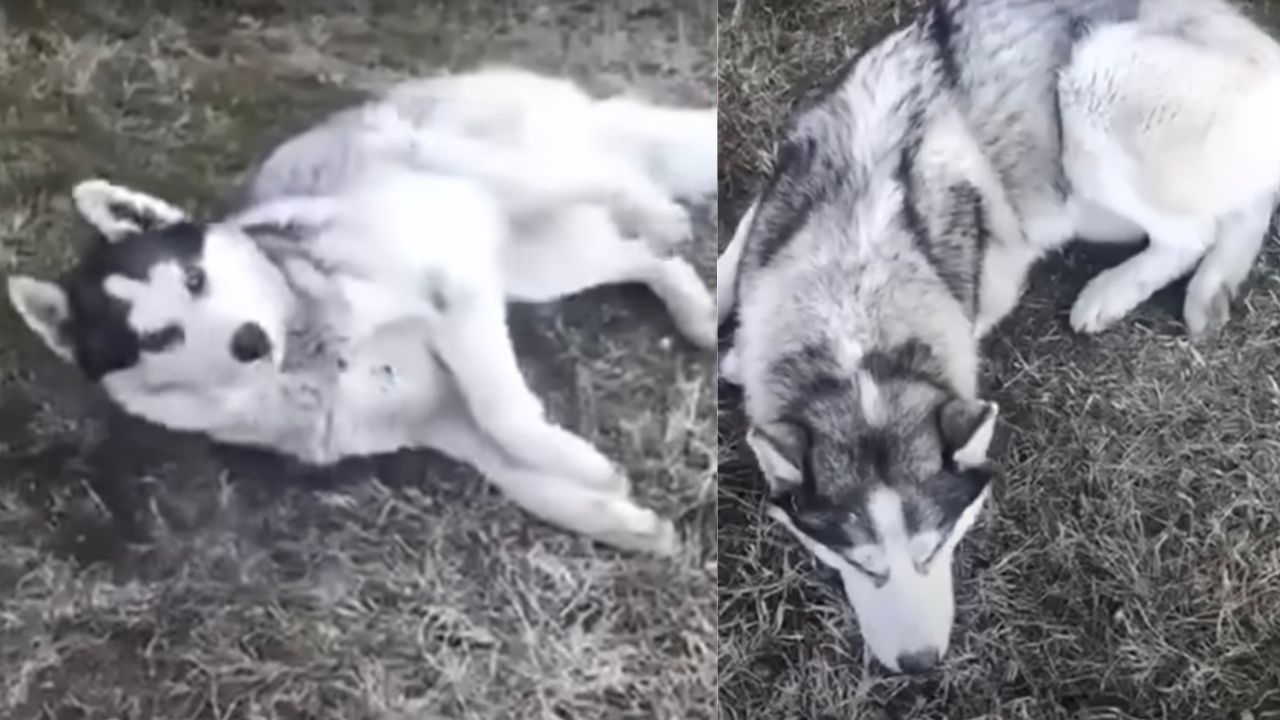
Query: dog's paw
point(700, 329)
point(663, 225)
point(1207, 307)
point(1105, 300)
point(690, 303)
point(640, 529)
point(668, 226)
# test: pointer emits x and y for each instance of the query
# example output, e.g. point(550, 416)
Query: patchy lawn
point(148, 575)
point(1129, 564)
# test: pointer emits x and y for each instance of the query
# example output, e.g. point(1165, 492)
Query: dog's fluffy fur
point(356, 304)
point(908, 200)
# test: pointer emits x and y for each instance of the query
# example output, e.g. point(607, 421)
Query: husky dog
point(907, 202)
point(355, 304)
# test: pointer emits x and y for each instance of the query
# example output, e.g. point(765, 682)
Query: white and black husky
point(907, 202)
point(356, 304)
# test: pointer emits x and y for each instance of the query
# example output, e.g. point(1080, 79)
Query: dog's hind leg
point(471, 339)
point(676, 146)
point(536, 182)
point(1173, 128)
point(1176, 245)
point(1225, 267)
point(581, 248)
point(608, 517)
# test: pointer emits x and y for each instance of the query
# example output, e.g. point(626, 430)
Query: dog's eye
point(195, 280)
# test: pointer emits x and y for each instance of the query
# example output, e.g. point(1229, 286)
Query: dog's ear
point(43, 307)
point(967, 428)
point(118, 212)
point(780, 452)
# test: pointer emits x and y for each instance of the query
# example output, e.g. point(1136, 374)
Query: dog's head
point(880, 480)
point(159, 304)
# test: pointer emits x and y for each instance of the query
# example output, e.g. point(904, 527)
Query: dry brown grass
point(1129, 566)
point(145, 575)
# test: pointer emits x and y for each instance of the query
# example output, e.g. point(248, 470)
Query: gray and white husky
point(356, 304)
point(907, 202)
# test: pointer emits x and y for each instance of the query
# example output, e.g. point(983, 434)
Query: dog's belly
point(386, 394)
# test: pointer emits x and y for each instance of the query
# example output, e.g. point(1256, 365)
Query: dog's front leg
point(1174, 250)
point(606, 516)
point(536, 270)
point(471, 339)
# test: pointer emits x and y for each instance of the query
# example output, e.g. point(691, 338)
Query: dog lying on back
point(907, 203)
point(356, 304)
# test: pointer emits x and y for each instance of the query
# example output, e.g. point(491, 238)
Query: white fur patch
point(873, 410)
point(974, 452)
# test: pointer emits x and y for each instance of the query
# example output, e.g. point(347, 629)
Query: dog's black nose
point(918, 662)
point(249, 343)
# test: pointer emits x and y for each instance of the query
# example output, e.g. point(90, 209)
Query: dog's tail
point(676, 145)
point(727, 267)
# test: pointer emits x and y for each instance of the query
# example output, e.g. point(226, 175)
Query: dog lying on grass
point(356, 303)
point(910, 197)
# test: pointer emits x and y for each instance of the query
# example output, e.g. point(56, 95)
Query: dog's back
point(507, 128)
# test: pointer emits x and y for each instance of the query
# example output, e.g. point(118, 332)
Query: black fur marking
point(811, 513)
point(167, 337)
point(956, 488)
point(913, 360)
point(829, 519)
point(824, 524)
point(940, 24)
point(1078, 28)
point(813, 168)
point(1061, 183)
point(146, 222)
point(781, 214)
point(811, 378)
point(293, 232)
point(910, 210)
point(959, 420)
point(912, 517)
point(439, 300)
point(876, 450)
point(953, 491)
point(97, 326)
point(960, 245)
point(831, 578)
point(964, 233)
point(982, 238)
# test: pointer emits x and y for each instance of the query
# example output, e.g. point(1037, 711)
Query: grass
point(149, 575)
point(1128, 566)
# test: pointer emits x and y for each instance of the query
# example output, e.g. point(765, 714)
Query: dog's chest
point(381, 381)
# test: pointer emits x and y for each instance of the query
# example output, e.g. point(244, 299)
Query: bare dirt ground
point(147, 575)
point(1129, 564)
